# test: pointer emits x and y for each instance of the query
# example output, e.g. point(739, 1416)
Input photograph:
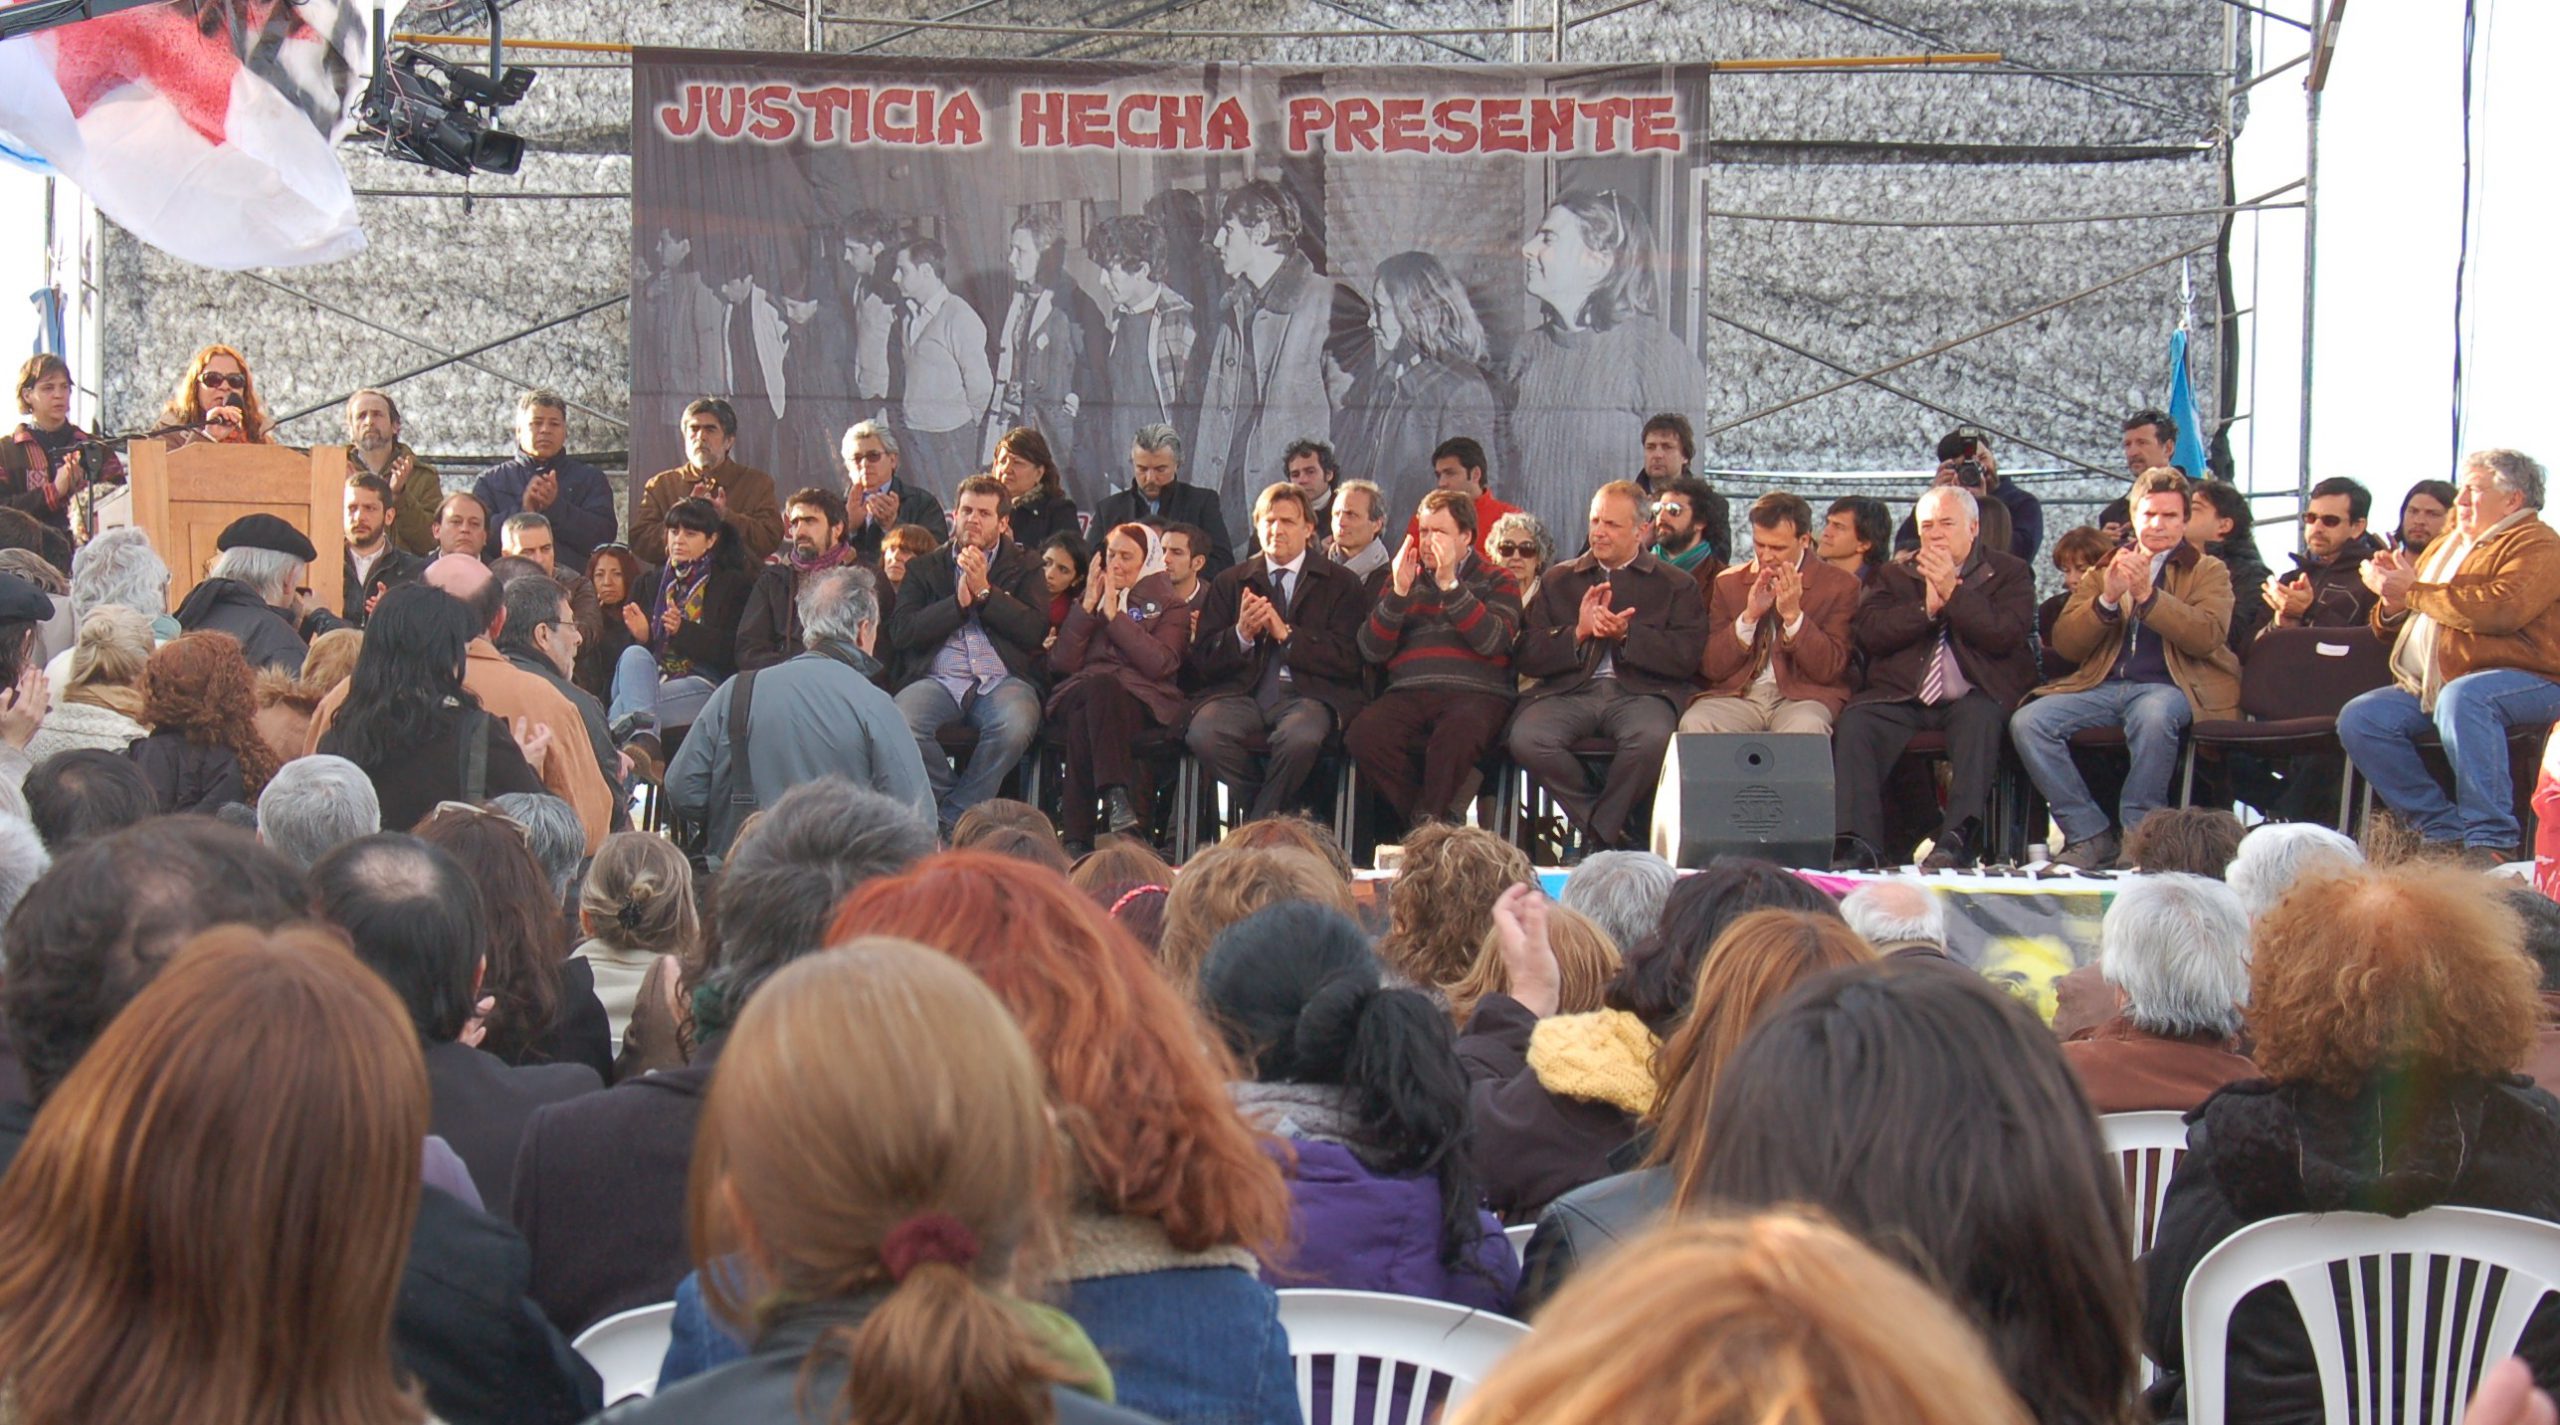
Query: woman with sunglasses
point(1602, 359)
point(1520, 541)
point(217, 401)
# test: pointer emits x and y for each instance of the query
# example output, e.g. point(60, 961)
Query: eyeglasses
point(1516, 551)
point(229, 380)
point(2324, 521)
point(869, 457)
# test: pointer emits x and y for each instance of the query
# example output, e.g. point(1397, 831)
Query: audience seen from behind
point(1748, 1321)
point(1930, 1113)
point(636, 911)
point(413, 914)
point(1587, 959)
point(1223, 885)
point(315, 805)
point(2174, 949)
point(80, 795)
point(1440, 905)
point(2388, 1009)
point(1898, 915)
point(544, 1008)
point(97, 930)
point(1621, 891)
point(1558, 1096)
point(233, 1250)
point(1173, 1203)
point(97, 702)
point(868, 1199)
point(410, 724)
point(1360, 1080)
point(1751, 966)
point(631, 1145)
point(204, 750)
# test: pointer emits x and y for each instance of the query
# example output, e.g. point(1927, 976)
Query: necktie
point(1933, 689)
point(1280, 592)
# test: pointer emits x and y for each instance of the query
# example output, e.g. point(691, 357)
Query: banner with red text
point(1383, 259)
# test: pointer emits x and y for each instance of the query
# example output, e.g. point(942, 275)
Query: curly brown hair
point(1442, 902)
point(2418, 964)
point(199, 684)
point(1223, 885)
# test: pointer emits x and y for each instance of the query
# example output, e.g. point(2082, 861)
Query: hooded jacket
point(1353, 1227)
point(2261, 1149)
point(1552, 1098)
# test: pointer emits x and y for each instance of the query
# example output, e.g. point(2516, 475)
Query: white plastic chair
point(2149, 1146)
point(1520, 1236)
point(1444, 1343)
point(627, 1349)
point(2405, 1368)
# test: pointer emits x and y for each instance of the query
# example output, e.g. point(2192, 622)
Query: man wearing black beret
point(256, 591)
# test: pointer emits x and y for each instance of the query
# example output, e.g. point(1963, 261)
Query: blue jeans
point(1006, 719)
point(2153, 716)
point(2381, 729)
point(669, 702)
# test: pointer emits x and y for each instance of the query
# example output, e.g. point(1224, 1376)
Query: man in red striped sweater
point(1442, 627)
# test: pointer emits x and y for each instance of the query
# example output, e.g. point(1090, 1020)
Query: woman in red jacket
point(1116, 658)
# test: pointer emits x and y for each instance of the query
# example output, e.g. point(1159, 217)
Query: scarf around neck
point(835, 555)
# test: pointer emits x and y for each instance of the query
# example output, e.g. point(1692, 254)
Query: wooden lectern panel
point(184, 498)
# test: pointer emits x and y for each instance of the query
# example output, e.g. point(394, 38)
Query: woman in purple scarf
point(684, 636)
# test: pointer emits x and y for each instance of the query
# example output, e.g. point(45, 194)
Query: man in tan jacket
point(2477, 620)
point(1777, 655)
point(744, 494)
point(2147, 629)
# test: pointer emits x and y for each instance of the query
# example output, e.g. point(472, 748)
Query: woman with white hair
point(2176, 947)
point(118, 567)
point(2273, 857)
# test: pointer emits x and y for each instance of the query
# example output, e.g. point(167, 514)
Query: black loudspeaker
point(1745, 794)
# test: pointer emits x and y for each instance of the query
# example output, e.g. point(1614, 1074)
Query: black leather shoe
point(1117, 812)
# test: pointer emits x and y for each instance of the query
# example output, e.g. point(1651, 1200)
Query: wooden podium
point(184, 498)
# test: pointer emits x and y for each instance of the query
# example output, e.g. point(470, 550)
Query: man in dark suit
point(600, 1182)
point(1276, 657)
point(1615, 638)
point(410, 912)
point(1156, 495)
point(966, 640)
point(1948, 636)
point(90, 935)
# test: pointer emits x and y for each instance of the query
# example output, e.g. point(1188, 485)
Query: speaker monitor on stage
point(1744, 794)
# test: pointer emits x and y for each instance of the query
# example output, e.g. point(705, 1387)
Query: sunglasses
point(1516, 551)
point(2324, 521)
point(227, 380)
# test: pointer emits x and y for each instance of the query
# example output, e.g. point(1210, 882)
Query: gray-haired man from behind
point(1899, 915)
point(820, 714)
point(2176, 947)
point(1622, 892)
point(314, 805)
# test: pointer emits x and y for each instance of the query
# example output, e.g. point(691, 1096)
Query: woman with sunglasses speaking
point(217, 401)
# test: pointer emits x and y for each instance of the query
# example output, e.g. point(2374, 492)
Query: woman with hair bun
point(636, 909)
point(871, 1178)
point(100, 705)
point(1363, 1084)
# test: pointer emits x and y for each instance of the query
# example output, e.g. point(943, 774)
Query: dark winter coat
point(1534, 1141)
point(267, 637)
point(188, 776)
point(1586, 1225)
point(2260, 1149)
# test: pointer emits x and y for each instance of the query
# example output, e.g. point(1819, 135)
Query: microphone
point(236, 401)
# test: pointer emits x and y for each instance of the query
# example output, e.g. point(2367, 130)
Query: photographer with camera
point(47, 460)
point(2012, 518)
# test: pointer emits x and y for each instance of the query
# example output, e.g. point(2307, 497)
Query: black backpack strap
point(742, 777)
point(475, 755)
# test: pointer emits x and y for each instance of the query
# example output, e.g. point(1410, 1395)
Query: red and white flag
point(207, 128)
